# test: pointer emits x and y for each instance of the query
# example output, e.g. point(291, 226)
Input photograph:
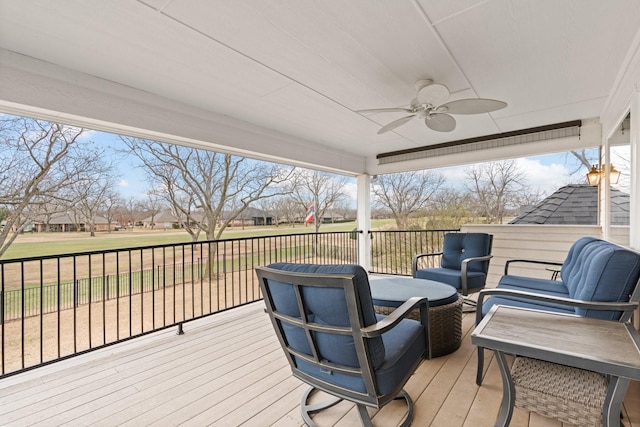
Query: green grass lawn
point(40, 244)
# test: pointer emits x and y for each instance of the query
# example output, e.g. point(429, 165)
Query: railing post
point(180, 330)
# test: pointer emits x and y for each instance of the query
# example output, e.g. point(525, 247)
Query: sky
point(546, 173)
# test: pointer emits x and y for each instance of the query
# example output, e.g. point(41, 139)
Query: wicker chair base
point(567, 394)
point(445, 326)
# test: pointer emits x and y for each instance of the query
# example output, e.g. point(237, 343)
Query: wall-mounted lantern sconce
point(597, 174)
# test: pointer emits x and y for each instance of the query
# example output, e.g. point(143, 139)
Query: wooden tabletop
point(598, 345)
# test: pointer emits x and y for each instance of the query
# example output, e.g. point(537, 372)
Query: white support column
point(364, 221)
point(634, 203)
point(604, 192)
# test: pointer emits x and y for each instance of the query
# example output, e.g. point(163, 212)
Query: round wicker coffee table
point(445, 307)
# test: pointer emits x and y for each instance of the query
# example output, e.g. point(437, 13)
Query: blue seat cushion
point(532, 284)
point(405, 346)
point(475, 279)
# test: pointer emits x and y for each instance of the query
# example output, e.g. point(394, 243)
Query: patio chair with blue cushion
point(324, 318)
point(463, 263)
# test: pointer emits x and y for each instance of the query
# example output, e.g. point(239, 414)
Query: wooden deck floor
point(228, 370)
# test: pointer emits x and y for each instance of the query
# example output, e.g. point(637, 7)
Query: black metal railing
point(54, 307)
point(66, 295)
point(392, 251)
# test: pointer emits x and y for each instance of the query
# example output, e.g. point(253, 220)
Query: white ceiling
point(282, 79)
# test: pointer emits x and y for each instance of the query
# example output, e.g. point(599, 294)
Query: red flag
point(311, 214)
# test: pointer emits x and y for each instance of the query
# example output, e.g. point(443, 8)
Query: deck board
point(228, 370)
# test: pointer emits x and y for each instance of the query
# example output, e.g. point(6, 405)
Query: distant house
point(167, 219)
point(163, 219)
point(70, 221)
point(575, 204)
point(253, 216)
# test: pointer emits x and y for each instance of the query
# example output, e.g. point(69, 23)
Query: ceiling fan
point(431, 105)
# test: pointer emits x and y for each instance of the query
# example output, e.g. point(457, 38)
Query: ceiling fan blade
point(396, 123)
point(472, 106)
point(386, 110)
point(434, 94)
point(440, 122)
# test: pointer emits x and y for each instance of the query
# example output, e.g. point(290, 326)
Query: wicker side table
point(571, 395)
point(445, 308)
point(561, 360)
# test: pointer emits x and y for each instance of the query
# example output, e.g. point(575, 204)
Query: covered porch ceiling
point(283, 80)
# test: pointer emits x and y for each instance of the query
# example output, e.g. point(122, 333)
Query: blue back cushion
point(327, 306)
point(460, 246)
point(603, 272)
point(572, 262)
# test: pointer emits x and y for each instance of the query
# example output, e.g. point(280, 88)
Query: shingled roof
point(575, 204)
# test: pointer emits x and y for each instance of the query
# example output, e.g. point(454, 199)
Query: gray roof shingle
point(575, 204)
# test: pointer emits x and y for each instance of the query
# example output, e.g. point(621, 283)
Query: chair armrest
point(626, 307)
point(530, 261)
point(477, 258)
point(400, 313)
point(463, 271)
point(390, 321)
point(414, 261)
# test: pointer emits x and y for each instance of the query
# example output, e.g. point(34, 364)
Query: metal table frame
point(580, 342)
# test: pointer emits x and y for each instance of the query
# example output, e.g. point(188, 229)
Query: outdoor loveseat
point(598, 279)
point(594, 270)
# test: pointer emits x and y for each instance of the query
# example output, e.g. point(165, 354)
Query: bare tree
point(39, 160)
point(91, 190)
point(405, 194)
point(495, 186)
point(449, 208)
point(318, 191)
point(207, 190)
point(584, 158)
point(111, 207)
point(343, 209)
point(289, 209)
point(153, 205)
point(130, 210)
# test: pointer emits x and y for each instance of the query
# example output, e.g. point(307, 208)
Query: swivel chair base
point(309, 409)
point(472, 304)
